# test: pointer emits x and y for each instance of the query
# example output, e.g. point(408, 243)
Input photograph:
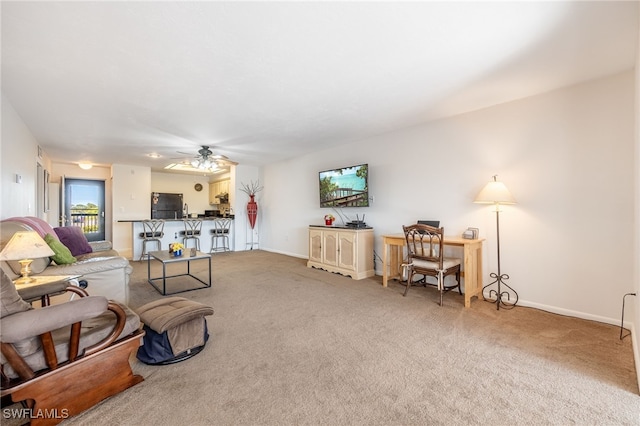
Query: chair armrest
point(101, 245)
point(29, 294)
point(34, 322)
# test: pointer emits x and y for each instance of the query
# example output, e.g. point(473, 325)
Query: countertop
point(179, 220)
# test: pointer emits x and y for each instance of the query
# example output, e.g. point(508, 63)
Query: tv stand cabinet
point(344, 250)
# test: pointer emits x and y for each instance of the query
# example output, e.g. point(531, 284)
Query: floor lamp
point(496, 193)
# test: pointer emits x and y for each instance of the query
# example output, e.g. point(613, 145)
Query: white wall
point(636, 299)
point(131, 201)
point(567, 156)
point(19, 157)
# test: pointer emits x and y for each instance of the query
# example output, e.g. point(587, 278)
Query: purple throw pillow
point(73, 238)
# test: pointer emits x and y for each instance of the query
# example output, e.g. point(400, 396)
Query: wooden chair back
point(425, 242)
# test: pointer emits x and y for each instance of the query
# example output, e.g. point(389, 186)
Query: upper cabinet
point(224, 186)
point(217, 188)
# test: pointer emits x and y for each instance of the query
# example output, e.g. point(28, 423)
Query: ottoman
point(176, 329)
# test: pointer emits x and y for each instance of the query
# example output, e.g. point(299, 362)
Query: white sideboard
point(347, 251)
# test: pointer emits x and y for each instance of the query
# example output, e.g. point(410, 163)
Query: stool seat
point(176, 329)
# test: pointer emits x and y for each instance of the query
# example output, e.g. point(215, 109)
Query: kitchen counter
point(172, 228)
point(179, 220)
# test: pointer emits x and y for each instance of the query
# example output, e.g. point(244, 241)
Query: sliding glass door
point(83, 202)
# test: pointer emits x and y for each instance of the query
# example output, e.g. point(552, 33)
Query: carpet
point(295, 345)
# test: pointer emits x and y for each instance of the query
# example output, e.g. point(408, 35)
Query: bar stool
point(192, 230)
point(220, 233)
point(152, 232)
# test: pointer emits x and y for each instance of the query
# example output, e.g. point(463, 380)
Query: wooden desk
point(472, 263)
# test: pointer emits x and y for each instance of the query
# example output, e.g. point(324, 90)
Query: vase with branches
point(251, 190)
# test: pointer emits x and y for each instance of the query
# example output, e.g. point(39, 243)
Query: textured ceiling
point(110, 82)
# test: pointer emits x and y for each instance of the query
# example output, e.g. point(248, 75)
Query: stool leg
point(144, 249)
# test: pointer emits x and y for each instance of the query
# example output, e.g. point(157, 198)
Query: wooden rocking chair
point(63, 359)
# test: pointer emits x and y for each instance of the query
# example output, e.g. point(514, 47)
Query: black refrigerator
point(166, 206)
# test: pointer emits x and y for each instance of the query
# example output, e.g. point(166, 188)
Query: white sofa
point(106, 272)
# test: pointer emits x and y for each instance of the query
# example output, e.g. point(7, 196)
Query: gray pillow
point(11, 303)
point(10, 300)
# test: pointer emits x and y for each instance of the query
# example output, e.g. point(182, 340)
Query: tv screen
point(345, 187)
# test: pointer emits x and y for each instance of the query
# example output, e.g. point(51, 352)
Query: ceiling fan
point(207, 160)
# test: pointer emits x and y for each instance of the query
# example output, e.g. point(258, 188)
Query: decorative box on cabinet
point(343, 250)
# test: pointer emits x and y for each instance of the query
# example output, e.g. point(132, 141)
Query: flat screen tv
point(345, 187)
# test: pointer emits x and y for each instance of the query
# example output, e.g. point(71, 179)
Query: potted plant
point(328, 219)
point(176, 249)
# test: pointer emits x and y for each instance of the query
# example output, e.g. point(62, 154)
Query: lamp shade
point(25, 245)
point(494, 192)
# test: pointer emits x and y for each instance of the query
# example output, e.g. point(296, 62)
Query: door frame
point(102, 211)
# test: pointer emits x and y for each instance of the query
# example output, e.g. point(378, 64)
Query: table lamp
point(23, 247)
point(495, 192)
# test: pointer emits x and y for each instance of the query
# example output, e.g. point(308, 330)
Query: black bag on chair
point(156, 349)
point(176, 329)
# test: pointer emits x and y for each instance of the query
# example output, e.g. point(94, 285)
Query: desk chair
point(152, 232)
point(220, 234)
point(425, 248)
point(192, 230)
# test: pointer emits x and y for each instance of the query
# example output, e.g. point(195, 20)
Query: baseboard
point(284, 253)
point(636, 352)
point(572, 313)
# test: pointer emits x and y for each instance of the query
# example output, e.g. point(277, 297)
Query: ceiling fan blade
point(204, 154)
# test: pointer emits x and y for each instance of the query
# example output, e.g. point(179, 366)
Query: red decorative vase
point(252, 211)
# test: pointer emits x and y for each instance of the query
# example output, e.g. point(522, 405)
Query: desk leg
point(385, 264)
point(472, 272)
point(396, 261)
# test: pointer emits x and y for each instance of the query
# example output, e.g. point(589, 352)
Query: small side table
point(165, 258)
point(43, 286)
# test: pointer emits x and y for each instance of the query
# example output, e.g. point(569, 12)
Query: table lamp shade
point(24, 246)
point(495, 192)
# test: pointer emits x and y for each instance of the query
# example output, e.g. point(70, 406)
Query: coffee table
point(165, 258)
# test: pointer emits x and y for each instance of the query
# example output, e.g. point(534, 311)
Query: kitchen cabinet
point(346, 251)
point(217, 188)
